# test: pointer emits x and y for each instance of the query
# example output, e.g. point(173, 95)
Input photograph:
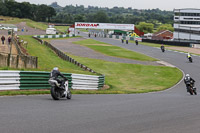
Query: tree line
point(71, 14)
point(145, 20)
point(26, 10)
point(150, 20)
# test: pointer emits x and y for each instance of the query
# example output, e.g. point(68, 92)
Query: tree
point(165, 27)
point(25, 8)
point(79, 18)
point(145, 27)
point(44, 12)
point(3, 8)
point(101, 17)
point(50, 13)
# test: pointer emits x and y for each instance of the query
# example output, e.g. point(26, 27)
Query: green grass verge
point(30, 23)
point(62, 28)
point(24, 92)
point(83, 30)
point(131, 78)
point(38, 25)
point(11, 20)
point(111, 50)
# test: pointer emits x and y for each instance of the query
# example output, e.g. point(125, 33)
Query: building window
point(187, 31)
point(190, 22)
point(177, 13)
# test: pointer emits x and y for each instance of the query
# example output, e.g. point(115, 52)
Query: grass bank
point(115, 51)
point(47, 59)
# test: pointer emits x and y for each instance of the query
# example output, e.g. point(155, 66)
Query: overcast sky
point(137, 4)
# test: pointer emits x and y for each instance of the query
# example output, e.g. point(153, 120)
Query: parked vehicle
point(51, 31)
point(57, 90)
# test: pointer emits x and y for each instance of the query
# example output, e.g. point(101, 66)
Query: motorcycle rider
point(162, 47)
point(55, 73)
point(188, 81)
point(188, 55)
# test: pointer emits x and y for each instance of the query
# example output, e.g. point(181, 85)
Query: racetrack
point(170, 111)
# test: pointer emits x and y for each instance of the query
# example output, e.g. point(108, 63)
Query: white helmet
point(55, 68)
point(187, 75)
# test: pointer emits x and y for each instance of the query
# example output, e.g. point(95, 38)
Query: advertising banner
point(104, 26)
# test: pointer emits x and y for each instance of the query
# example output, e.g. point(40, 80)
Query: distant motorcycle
point(162, 48)
point(189, 57)
point(57, 91)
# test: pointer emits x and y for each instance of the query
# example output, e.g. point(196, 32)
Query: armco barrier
point(9, 80)
point(25, 80)
point(52, 36)
point(174, 43)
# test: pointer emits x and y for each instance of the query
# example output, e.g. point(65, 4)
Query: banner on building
point(112, 26)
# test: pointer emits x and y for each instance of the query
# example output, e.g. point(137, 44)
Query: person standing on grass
point(136, 42)
point(9, 40)
point(3, 39)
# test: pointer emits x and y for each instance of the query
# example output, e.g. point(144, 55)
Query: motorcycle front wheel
point(69, 95)
point(195, 91)
point(191, 91)
point(55, 93)
point(190, 59)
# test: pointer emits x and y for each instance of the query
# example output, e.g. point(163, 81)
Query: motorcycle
point(57, 91)
point(191, 89)
point(162, 48)
point(190, 59)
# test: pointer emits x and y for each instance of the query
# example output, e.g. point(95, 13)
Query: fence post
point(36, 62)
point(25, 62)
point(8, 60)
point(17, 64)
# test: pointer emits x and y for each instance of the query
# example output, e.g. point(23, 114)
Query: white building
point(187, 24)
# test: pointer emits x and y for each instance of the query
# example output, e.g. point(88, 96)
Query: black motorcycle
point(57, 90)
point(162, 48)
point(190, 88)
point(190, 59)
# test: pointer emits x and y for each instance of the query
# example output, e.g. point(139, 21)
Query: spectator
point(127, 41)
point(9, 40)
point(3, 39)
point(122, 40)
point(136, 42)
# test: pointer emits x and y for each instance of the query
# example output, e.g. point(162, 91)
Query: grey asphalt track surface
point(169, 111)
